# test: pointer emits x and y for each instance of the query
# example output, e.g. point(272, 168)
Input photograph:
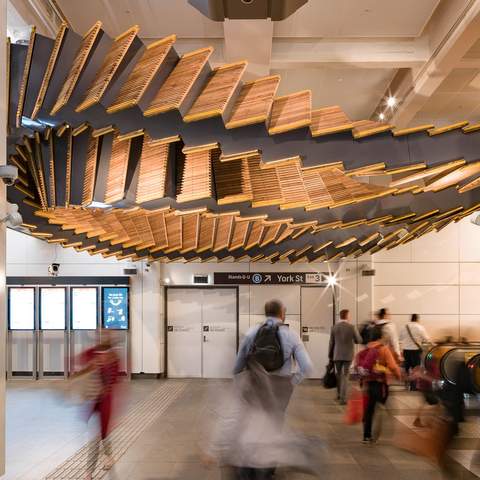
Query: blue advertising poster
point(115, 308)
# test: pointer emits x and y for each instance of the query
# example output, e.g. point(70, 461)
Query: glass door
point(84, 319)
point(53, 337)
point(22, 333)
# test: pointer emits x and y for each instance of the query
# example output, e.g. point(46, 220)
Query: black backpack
point(267, 348)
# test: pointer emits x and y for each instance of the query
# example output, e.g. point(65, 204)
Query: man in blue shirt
point(292, 346)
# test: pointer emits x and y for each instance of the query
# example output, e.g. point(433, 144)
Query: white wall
point(437, 276)
point(352, 287)
point(28, 256)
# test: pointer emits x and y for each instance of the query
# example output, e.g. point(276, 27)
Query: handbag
point(355, 407)
point(330, 378)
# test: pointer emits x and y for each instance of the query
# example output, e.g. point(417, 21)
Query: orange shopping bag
point(355, 407)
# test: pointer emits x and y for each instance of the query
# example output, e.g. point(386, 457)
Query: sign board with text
point(270, 278)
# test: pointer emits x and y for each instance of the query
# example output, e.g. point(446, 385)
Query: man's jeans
point(342, 368)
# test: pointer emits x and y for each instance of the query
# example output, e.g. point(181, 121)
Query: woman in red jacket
point(102, 363)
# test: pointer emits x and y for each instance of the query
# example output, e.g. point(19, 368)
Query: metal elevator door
point(201, 332)
point(317, 318)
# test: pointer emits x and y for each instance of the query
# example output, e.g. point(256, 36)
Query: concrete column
point(3, 202)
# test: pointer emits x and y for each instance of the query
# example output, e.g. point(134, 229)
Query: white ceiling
point(357, 90)
point(318, 18)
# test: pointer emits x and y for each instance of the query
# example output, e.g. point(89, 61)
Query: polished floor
point(165, 428)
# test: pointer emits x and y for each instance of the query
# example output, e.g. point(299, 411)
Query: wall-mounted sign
point(269, 278)
point(84, 308)
point(52, 308)
point(21, 308)
point(115, 308)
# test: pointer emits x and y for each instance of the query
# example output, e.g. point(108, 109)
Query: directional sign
point(269, 278)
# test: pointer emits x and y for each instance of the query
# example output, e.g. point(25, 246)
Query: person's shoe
point(367, 440)
point(342, 402)
point(417, 423)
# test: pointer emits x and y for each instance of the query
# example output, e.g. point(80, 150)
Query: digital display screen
point(52, 308)
point(115, 308)
point(84, 308)
point(21, 308)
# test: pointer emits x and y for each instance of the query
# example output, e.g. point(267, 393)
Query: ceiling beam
point(363, 53)
point(452, 32)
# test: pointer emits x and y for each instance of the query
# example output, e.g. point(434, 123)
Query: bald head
point(275, 309)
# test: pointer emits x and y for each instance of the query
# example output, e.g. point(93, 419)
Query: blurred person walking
point(271, 361)
point(101, 367)
point(389, 332)
point(343, 337)
point(375, 364)
point(412, 336)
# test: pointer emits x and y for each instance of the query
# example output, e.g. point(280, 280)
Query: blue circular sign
point(257, 278)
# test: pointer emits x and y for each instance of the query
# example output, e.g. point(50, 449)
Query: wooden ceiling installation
point(135, 151)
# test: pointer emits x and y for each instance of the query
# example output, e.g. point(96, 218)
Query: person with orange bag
point(375, 365)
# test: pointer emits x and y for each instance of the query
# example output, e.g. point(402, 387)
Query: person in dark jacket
point(343, 337)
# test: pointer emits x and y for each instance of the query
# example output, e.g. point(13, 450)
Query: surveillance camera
point(53, 269)
point(14, 218)
point(8, 173)
point(147, 267)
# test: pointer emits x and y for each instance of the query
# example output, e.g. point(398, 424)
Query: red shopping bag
point(355, 407)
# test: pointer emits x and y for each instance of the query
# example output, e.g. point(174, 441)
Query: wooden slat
point(454, 177)
point(214, 98)
point(153, 165)
point(293, 189)
point(328, 120)
point(142, 225)
point(196, 176)
point(49, 70)
point(158, 227)
point(110, 65)
point(255, 235)
point(77, 67)
point(177, 85)
point(475, 183)
point(239, 236)
point(174, 226)
point(447, 128)
point(190, 232)
point(318, 194)
point(142, 74)
point(254, 102)
point(291, 112)
point(265, 184)
point(223, 233)
point(270, 235)
point(117, 170)
point(366, 128)
point(207, 233)
point(400, 132)
point(90, 171)
point(428, 172)
point(232, 181)
point(26, 73)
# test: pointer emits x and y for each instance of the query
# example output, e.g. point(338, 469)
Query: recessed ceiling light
point(381, 116)
point(391, 101)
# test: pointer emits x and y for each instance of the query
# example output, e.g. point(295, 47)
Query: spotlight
point(331, 280)
point(391, 101)
point(381, 116)
point(167, 280)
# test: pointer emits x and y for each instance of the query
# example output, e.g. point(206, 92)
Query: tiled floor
point(171, 446)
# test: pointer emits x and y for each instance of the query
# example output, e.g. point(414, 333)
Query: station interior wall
point(437, 276)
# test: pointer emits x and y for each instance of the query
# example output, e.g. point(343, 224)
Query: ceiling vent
point(201, 279)
point(219, 10)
